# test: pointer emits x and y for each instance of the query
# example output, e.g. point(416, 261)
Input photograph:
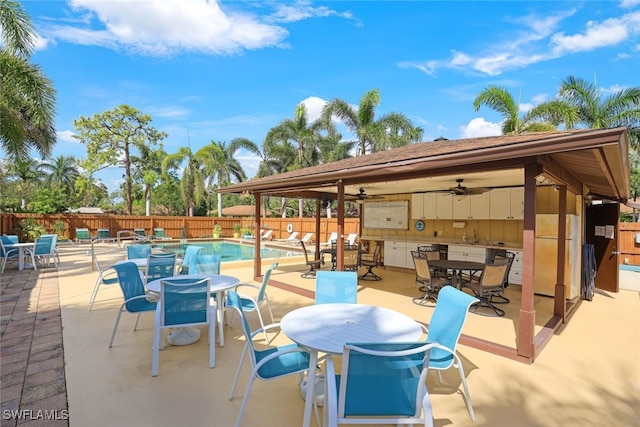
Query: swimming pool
point(228, 251)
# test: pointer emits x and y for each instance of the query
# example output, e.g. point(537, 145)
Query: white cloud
point(629, 3)
point(479, 127)
point(314, 106)
point(66, 136)
point(597, 34)
point(169, 27)
point(528, 46)
point(301, 10)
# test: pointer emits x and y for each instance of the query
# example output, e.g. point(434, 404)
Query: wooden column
point(559, 302)
point(527, 318)
point(340, 243)
point(257, 270)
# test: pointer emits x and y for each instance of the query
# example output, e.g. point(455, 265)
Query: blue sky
point(217, 70)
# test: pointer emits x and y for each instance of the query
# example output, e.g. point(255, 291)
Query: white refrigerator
point(545, 272)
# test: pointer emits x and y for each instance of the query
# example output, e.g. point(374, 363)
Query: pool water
point(228, 251)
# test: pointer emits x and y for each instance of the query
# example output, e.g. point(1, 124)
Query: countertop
point(444, 241)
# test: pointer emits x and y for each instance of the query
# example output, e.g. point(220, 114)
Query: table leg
point(310, 396)
point(220, 314)
point(20, 259)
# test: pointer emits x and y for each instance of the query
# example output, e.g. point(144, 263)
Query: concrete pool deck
point(588, 375)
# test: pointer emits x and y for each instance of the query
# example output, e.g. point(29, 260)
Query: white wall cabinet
point(431, 206)
point(506, 203)
point(475, 206)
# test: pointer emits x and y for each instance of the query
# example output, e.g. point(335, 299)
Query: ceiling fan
point(362, 196)
point(460, 190)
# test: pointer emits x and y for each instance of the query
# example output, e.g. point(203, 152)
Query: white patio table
point(21, 250)
point(219, 284)
point(328, 327)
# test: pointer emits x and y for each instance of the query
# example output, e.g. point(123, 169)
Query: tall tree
point(220, 164)
point(27, 174)
point(298, 132)
point(192, 184)
point(148, 170)
point(111, 138)
point(62, 174)
point(27, 97)
point(373, 135)
point(539, 119)
point(595, 111)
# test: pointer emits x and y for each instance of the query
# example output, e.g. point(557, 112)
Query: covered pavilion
point(588, 164)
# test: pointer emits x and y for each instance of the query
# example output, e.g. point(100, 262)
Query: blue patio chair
point(380, 383)
point(136, 300)
point(205, 264)
point(268, 364)
point(42, 251)
point(106, 276)
point(55, 255)
point(160, 266)
point(445, 328)
point(138, 251)
point(336, 286)
point(252, 302)
point(184, 302)
point(189, 254)
point(6, 254)
point(9, 239)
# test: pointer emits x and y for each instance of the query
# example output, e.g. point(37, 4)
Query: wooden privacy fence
point(628, 248)
point(177, 226)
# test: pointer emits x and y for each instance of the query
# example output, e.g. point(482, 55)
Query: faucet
point(475, 236)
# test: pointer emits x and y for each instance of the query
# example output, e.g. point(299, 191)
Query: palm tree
point(27, 97)
point(62, 173)
point(390, 130)
point(220, 164)
point(27, 173)
point(192, 182)
point(594, 111)
point(299, 132)
point(539, 119)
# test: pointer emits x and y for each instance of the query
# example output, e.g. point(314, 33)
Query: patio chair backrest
point(43, 245)
point(189, 255)
point(386, 381)
point(332, 237)
point(82, 233)
point(104, 233)
point(132, 286)
point(160, 266)
point(205, 264)
point(159, 232)
point(184, 302)
point(421, 264)
point(138, 251)
point(265, 281)
point(447, 322)
point(10, 239)
point(336, 286)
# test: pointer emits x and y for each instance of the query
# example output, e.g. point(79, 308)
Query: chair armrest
point(266, 328)
point(246, 285)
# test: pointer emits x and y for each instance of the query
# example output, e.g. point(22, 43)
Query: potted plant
point(236, 230)
point(246, 232)
point(217, 231)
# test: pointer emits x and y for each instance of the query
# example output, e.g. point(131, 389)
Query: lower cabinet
point(515, 274)
point(467, 253)
point(395, 253)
